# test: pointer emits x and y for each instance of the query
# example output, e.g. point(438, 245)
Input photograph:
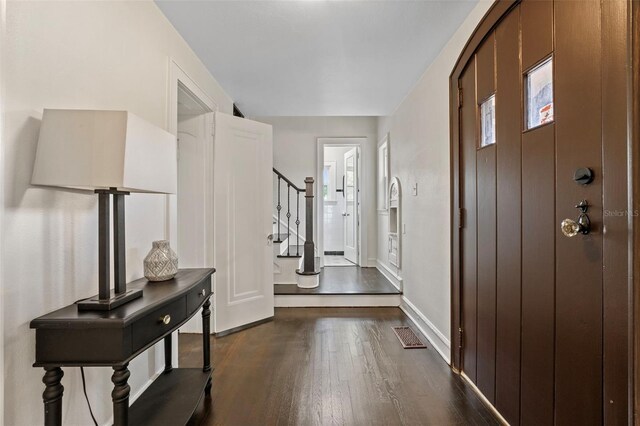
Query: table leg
point(120, 395)
point(206, 341)
point(167, 354)
point(206, 335)
point(52, 396)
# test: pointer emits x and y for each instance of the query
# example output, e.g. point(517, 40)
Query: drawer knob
point(166, 319)
point(203, 293)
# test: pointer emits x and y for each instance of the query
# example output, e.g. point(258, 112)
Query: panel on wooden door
point(243, 160)
point(578, 260)
point(486, 217)
point(468, 235)
point(508, 218)
point(538, 235)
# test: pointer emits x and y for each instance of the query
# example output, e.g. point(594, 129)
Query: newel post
point(309, 255)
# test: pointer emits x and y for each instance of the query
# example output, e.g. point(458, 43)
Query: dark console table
point(71, 338)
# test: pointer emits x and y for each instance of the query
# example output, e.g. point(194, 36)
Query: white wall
point(295, 151)
point(103, 55)
point(333, 219)
point(419, 153)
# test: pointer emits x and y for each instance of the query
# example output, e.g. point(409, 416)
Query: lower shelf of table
point(171, 399)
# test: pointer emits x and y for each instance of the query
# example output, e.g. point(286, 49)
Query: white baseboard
point(438, 340)
point(394, 278)
point(372, 263)
point(342, 300)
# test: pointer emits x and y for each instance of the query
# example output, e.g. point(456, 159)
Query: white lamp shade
point(91, 150)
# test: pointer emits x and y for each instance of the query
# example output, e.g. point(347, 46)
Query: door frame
point(360, 142)
point(628, 161)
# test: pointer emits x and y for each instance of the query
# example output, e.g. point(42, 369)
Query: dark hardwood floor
point(344, 280)
point(325, 366)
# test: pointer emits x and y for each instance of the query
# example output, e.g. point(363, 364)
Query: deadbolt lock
point(571, 228)
point(583, 176)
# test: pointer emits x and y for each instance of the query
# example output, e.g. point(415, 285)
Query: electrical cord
point(84, 388)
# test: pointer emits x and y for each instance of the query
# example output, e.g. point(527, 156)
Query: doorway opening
point(191, 209)
point(339, 189)
point(194, 149)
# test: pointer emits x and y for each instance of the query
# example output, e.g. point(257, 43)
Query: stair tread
point(279, 238)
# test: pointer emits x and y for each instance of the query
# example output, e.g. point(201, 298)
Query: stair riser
point(285, 270)
point(342, 300)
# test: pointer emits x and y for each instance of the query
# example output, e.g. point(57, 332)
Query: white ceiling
point(316, 57)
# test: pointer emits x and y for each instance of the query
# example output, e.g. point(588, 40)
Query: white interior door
point(243, 161)
point(350, 213)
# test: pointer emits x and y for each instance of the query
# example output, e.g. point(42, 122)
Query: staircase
point(294, 257)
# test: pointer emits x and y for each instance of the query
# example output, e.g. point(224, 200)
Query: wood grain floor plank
point(329, 366)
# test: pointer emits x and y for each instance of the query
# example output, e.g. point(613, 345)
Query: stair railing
point(309, 223)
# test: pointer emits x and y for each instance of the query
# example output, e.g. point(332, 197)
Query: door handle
point(345, 214)
point(571, 228)
point(269, 239)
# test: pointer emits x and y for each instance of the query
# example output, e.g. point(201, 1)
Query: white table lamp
point(111, 153)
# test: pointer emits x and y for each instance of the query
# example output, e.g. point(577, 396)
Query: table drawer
point(197, 295)
point(153, 325)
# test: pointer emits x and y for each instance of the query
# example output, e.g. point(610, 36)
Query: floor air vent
point(408, 338)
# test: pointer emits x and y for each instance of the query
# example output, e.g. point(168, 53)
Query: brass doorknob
point(570, 228)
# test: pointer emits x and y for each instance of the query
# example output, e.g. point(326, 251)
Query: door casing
point(363, 182)
point(622, 46)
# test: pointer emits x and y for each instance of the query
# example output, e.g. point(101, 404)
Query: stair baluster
point(288, 216)
point(279, 207)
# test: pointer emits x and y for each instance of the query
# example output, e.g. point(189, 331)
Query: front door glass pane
point(488, 121)
point(539, 86)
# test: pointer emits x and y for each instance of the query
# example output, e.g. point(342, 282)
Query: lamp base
point(96, 304)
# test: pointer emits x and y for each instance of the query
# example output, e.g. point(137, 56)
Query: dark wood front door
point(543, 316)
